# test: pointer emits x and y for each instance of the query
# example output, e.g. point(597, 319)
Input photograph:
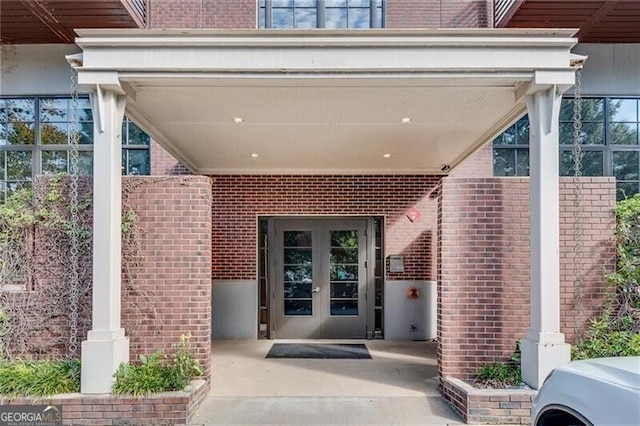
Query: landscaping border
point(488, 406)
point(166, 408)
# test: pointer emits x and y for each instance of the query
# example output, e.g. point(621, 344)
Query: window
point(135, 149)
point(35, 139)
point(610, 143)
point(287, 14)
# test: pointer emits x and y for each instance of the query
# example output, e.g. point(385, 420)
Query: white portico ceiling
point(324, 102)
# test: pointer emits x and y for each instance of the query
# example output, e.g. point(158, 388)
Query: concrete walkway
point(398, 386)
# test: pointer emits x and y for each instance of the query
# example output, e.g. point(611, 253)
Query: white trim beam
point(326, 37)
point(294, 52)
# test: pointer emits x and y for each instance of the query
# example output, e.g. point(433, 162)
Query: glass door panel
point(343, 275)
point(298, 273)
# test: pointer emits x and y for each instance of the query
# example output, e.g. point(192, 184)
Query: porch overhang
point(332, 102)
point(53, 21)
point(600, 21)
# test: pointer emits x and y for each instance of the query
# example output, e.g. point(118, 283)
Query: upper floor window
point(287, 14)
point(35, 139)
point(610, 143)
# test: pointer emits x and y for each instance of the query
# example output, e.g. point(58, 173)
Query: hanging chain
point(74, 278)
point(578, 231)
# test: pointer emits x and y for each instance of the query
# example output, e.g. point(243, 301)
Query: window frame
point(128, 148)
point(37, 149)
point(606, 148)
point(266, 21)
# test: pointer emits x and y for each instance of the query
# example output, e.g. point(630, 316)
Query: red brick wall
point(438, 13)
point(170, 290)
point(239, 200)
point(167, 408)
point(241, 14)
point(483, 269)
point(479, 164)
point(232, 14)
point(174, 215)
point(489, 406)
point(175, 14)
point(163, 163)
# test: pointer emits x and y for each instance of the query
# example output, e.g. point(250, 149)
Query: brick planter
point(489, 406)
point(167, 408)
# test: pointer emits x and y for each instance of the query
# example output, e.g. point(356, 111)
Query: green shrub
point(184, 367)
point(617, 331)
point(602, 340)
point(501, 374)
point(39, 378)
point(151, 376)
point(157, 374)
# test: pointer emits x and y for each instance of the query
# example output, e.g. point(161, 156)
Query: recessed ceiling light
point(254, 155)
point(406, 120)
point(238, 120)
point(387, 155)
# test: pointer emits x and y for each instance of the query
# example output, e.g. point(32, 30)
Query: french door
point(320, 278)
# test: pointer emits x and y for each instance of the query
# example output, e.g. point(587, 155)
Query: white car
point(592, 392)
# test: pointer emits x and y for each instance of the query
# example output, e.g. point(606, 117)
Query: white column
point(544, 347)
point(106, 345)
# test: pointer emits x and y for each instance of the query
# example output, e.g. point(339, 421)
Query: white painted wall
point(234, 309)
point(36, 69)
point(612, 69)
point(408, 319)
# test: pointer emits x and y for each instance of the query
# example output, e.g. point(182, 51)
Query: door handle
point(316, 290)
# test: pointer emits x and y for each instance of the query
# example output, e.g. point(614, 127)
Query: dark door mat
point(319, 351)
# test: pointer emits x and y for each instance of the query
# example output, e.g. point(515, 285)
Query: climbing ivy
point(35, 231)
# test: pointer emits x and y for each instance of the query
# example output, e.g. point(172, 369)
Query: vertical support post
point(106, 345)
point(544, 347)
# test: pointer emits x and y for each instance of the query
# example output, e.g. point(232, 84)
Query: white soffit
point(324, 101)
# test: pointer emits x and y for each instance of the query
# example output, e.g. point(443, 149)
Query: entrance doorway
point(321, 278)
